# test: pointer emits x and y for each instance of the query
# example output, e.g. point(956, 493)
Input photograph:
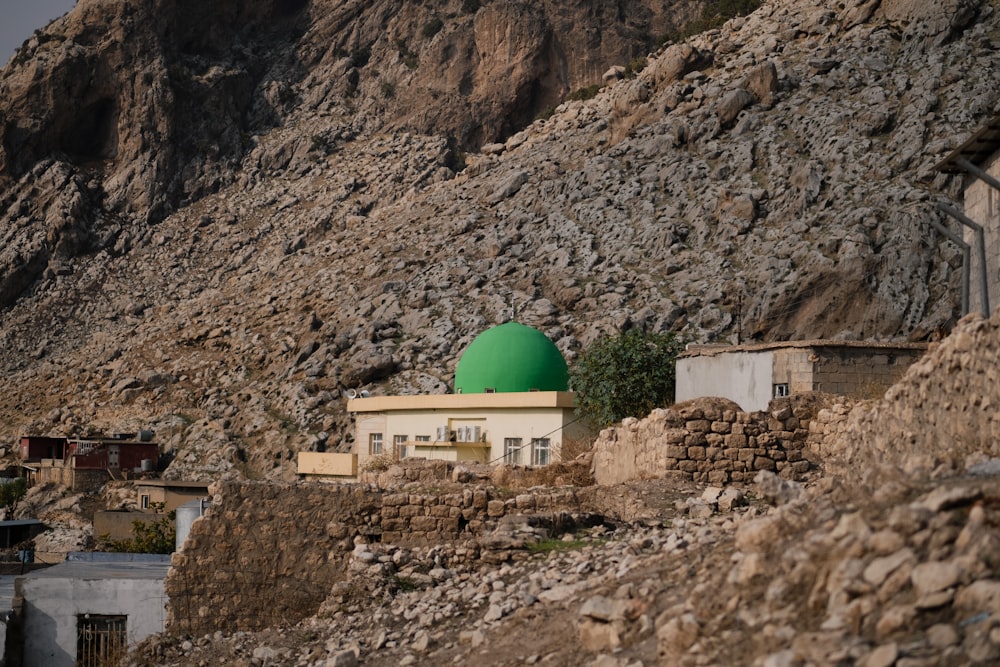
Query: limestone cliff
point(219, 216)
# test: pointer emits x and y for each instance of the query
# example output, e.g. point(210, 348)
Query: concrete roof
point(709, 350)
point(107, 566)
point(172, 483)
point(499, 400)
point(976, 149)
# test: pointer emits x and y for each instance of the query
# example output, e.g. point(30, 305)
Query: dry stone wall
point(268, 554)
point(707, 440)
point(265, 554)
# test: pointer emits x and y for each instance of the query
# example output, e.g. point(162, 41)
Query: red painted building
point(111, 454)
point(37, 447)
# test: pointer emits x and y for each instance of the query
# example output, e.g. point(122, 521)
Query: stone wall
point(267, 554)
point(708, 440)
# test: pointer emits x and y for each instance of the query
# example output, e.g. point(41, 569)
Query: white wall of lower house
point(742, 377)
point(52, 606)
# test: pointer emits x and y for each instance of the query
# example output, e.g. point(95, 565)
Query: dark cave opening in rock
point(93, 134)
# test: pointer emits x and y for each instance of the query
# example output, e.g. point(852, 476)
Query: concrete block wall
point(856, 372)
point(705, 440)
point(794, 366)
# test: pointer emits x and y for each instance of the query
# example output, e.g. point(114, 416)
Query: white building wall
point(742, 377)
point(51, 607)
point(982, 205)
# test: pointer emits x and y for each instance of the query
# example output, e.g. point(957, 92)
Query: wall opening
point(101, 640)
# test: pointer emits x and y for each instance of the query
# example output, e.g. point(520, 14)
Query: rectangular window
point(399, 444)
point(100, 640)
point(512, 451)
point(781, 390)
point(144, 502)
point(421, 438)
point(374, 444)
point(540, 455)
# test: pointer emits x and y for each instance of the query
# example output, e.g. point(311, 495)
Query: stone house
point(752, 374)
point(979, 160)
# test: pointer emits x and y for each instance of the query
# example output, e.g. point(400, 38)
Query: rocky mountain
point(216, 217)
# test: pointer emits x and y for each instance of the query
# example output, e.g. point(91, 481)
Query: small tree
point(627, 375)
point(154, 537)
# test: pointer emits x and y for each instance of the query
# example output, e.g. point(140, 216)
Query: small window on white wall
point(512, 451)
point(541, 452)
point(781, 390)
point(374, 443)
point(144, 502)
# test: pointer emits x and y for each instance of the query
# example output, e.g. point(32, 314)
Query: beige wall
point(982, 204)
point(327, 464)
point(495, 424)
point(794, 367)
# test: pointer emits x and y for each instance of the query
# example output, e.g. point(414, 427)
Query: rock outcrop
point(776, 172)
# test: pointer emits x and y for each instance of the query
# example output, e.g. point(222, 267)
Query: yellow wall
point(541, 418)
point(328, 464)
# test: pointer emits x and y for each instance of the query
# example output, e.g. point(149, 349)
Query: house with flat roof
point(87, 610)
point(752, 374)
point(511, 404)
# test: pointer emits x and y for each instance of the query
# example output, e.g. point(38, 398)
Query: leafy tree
point(11, 492)
point(627, 375)
point(155, 537)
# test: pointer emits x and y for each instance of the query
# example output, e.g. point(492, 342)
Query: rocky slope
point(833, 572)
point(218, 224)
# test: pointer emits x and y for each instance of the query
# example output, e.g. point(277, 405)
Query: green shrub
point(432, 27)
point(11, 492)
point(713, 15)
point(627, 375)
point(585, 93)
point(635, 66)
point(156, 537)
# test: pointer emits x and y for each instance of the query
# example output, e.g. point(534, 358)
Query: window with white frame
point(541, 452)
point(421, 438)
point(512, 451)
point(399, 445)
point(144, 502)
point(781, 389)
point(374, 444)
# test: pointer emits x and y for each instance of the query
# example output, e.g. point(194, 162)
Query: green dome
point(511, 357)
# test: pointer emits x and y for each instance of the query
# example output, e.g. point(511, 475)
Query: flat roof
point(709, 350)
point(173, 483)
point(976, 149)
point(90, 570)
point(499, 400)
point(20, 522)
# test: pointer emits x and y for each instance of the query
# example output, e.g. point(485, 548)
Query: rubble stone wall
point(268, 554)
point(265, 554)
point(705, 440)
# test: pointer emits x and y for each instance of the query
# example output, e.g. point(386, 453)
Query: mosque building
point(511, 405)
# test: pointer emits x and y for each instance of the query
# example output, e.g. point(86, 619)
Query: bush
point(11, 492)
point(635, 66)
point(713, 15)
point(432, 27)
point(627, 375)
point(156, 537)
point(584, 93)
